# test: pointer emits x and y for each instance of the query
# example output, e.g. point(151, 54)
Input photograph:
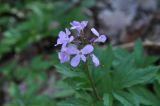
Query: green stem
point(92, 83)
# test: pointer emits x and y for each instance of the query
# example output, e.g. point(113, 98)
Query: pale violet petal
point(72, 49)
point(75, 24)
point(87, 49)
point(95, 60)
point(64, 57)
point(67, 31)
point(71, 39)
point(73, 27)
point(101, 38)
point(94, 31)
point(64, 47)
point(59, 41)
point(84, 23)
point(83, 58)
point(75, 61)
point(79, 26)
point(61, 34)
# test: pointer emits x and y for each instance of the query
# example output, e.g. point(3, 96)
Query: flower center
point(80, 52)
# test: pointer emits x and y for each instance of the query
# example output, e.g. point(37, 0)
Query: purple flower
point(101, 38)
point(64, 38)
point(80, 54)
point(79, 26)
point(70, 45)
point(95, 60)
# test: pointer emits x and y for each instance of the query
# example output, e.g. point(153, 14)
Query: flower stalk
point(92, 84)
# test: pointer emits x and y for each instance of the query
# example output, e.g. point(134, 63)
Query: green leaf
point(127, 75)
point(120, 53)
point(80, 94)
point(14, 90)
point(63, 90)
point(38, 63)
point(149, 60)
point(78, 82)
point(157, 89)
point(105, 56)
point(144, 96)
point(4, 7)
point(108, 100)
point(138, 52)
point(73, 102)
point(88, 3)
point(67, 70)
point(105, 84)
point(8, 68)
point(125, 98)
point(140, 76)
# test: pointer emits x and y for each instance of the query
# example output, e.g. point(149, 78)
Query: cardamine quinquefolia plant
point(79, 47)
point(103, 76)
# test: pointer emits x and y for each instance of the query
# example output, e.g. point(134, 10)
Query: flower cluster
point(78, 47)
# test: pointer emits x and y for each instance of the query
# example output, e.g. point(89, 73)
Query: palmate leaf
point(81, 94)
point(68, 71)
point(137, 76)
point(144, 96)
point(101, 74)
point(120, 53)
point(120, 71)
point(106, 57)
point(126, 74)
point(115, 79)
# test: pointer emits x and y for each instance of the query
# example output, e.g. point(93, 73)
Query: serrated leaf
point(120, 53)
point(105, 56)
point(144, 96)
point(125, 98)
point(73, 102)
point(140, 76)
point(157, 89)
point(63, 90)
point(67, 71)
point(127, 75)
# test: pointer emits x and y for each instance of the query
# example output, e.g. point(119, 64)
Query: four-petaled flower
point(80, 54)
point(101, 38)
point(64, 38)
point(79, 26)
